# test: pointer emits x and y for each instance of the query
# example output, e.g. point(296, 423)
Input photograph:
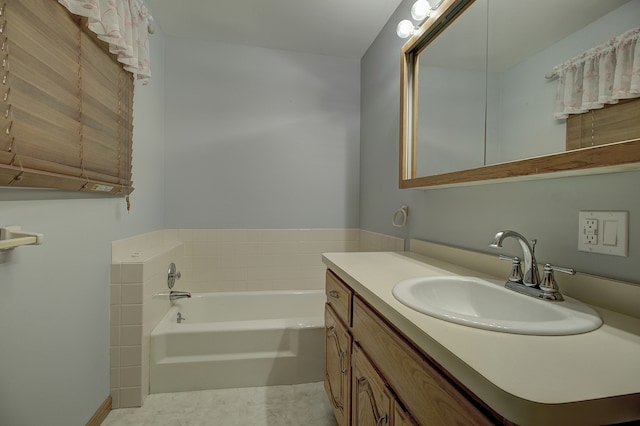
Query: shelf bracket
point(13, 236)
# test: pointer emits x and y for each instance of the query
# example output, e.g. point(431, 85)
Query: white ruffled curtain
point(602, 75)
point(124, 25)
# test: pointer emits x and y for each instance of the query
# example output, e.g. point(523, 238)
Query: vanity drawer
point(428, 395)
point(339, 297)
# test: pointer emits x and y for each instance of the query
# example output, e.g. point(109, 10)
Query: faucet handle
point(516, 268)
point(172, 275)
point(569, 271)
point(549, 286)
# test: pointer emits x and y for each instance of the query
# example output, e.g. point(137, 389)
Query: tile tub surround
point(134, 313)
point(209, 260)
point(269, 259)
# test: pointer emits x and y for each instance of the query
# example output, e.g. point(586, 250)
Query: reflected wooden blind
point(66, 103)
point(613, 123)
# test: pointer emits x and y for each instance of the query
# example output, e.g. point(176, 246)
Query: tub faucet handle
point(172, 275)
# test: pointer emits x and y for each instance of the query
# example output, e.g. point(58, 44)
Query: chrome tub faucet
point(175, 295)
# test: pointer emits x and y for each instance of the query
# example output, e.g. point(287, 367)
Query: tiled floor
point(295, 405)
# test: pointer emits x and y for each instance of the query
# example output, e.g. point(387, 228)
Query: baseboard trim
point(101, 413)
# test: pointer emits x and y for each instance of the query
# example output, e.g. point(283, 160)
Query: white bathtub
point(239, 339)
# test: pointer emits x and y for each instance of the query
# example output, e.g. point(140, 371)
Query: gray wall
point(260, 138)
point(468, 217)
point(54, 298)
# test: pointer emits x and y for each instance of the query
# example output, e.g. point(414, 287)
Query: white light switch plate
point(604, 232)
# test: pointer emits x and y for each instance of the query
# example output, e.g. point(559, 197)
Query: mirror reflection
point(451, 79)
point(483, 96)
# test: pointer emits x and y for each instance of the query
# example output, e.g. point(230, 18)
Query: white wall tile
point(115, 294)
point(114, 336)
point(114, 315)
point(130, 356)
point(114, 355)
point(371, 241)
point(115, 398)
point(116, 277)
point(130, 335)
point(131, 314)
point(130, 376)
point(131, 293)
point(130, 397)
point(132, 273)
point(115, 378)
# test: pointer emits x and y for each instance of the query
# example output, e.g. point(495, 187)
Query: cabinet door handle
point(382, 419)
point(344, 371)
point(343, 354)
point(334, 294)
point(331, 330)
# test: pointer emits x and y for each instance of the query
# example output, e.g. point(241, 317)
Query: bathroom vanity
point(386, 364)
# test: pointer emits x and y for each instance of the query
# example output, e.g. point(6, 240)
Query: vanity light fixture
point(406, 28)
point(420, 11)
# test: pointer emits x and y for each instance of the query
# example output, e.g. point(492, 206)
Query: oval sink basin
point(485, 304)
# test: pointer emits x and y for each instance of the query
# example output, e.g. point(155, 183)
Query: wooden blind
point(613, 123)
point(65, 103)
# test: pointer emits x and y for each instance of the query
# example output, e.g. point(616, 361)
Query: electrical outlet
point(603, 232)
point(591, 239)
point(589, 231)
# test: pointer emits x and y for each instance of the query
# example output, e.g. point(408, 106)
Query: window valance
point(602, 75)
point(124, 25)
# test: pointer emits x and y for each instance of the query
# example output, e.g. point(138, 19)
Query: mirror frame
point(614, 157)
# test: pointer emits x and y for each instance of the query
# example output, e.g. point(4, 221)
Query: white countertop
point(519, 376)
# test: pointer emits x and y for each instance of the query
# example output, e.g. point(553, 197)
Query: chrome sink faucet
point(531, 277)
point(529, 282)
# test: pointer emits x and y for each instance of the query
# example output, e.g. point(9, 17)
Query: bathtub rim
point(167, 326)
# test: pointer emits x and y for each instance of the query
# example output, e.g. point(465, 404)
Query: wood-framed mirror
point(456, 73)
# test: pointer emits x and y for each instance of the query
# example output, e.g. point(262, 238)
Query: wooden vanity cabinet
point(371, 399)
point(375, 377)
point(401, 417)
point(429, 397)
point(339, 297)
point(337, 366)
point(337, 344)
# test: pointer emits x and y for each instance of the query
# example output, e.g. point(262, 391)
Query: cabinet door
point(337, 365)
point(401, 417)
point(370, 402)
point(426, 393)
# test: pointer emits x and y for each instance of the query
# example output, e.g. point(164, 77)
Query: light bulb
point(420, 10)
point(405, 28)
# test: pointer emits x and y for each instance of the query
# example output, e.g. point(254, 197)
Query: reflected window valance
point(124, 25)
point(603, 75)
